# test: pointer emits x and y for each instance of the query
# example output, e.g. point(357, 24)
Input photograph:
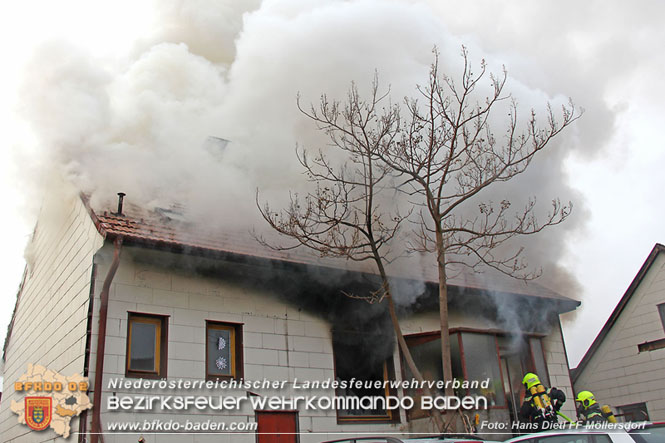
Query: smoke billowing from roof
point(232, 70)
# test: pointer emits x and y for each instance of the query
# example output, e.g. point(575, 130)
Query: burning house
point(125, 296)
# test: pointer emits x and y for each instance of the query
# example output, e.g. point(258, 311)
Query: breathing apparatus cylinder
point(607, 412)
point(541, 400)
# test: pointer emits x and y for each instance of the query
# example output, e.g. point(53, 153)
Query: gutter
point(101, 344)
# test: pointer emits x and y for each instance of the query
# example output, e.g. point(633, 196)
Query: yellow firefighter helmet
point(586, 398)
point(530, 380)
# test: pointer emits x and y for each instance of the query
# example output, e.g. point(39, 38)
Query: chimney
point(121, 196)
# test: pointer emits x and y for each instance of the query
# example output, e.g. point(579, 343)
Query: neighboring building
point(625, 365)
point(183, 305)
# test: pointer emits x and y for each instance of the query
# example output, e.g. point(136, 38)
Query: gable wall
point(50, 323)
point(617, 373)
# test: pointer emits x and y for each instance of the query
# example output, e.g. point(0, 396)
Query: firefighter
point(540, 403)
point(589, 411)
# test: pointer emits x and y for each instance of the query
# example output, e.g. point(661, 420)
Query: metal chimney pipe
point(121, 196)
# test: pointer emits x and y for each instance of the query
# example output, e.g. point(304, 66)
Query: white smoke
point(233, 70)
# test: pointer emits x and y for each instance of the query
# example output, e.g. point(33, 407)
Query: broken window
point(223, 350)
point(146, 346)
point(365, 356)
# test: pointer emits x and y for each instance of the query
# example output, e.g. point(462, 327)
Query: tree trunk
point(406, 352)
point(443, 314)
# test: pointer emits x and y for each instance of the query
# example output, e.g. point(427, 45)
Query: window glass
point(456, 361)
point(634, 412)
point(426, 353)
point(146, 345)
point(427, 356)
point(482, 362)
point(539, 360)
point(661, 311)
point(651, 434)
point(223, 351)
point(143, 346)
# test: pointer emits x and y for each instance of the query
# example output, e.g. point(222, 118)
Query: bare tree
point(342, 217)
point(449, 154)
point(443, 154)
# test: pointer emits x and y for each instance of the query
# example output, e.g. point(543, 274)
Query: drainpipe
point(101, 344)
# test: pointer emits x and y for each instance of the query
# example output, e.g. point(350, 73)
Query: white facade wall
point(617, 373)
point(558, 368)
point(281, 343)
point(51, 318)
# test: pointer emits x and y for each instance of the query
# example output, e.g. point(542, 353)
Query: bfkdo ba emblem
point(38, 412)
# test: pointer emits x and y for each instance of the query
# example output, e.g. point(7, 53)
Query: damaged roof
point(164, 229)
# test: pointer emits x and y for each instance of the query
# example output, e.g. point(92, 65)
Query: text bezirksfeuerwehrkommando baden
point(140, 400)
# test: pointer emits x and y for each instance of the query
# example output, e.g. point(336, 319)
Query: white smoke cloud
point(233, 69)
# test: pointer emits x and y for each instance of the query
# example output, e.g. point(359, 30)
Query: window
point(223, 350)
point(426, 352)
point(634, 412)
point(474, 357)
point(147, 338)
point(661, 311)
point(518, 355)
point(536, 345)
point(364, 356)
point(651, 433)
point(481, 362)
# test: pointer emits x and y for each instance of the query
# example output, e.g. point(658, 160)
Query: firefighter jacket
point(592, 414)
point(529, 413)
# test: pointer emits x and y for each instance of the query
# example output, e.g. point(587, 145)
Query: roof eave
point(563, 305)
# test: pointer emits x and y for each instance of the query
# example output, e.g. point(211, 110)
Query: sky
point(88, 83)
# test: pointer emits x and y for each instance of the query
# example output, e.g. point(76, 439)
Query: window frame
point(661, 311)
point(161, 345)
point(236, 349)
